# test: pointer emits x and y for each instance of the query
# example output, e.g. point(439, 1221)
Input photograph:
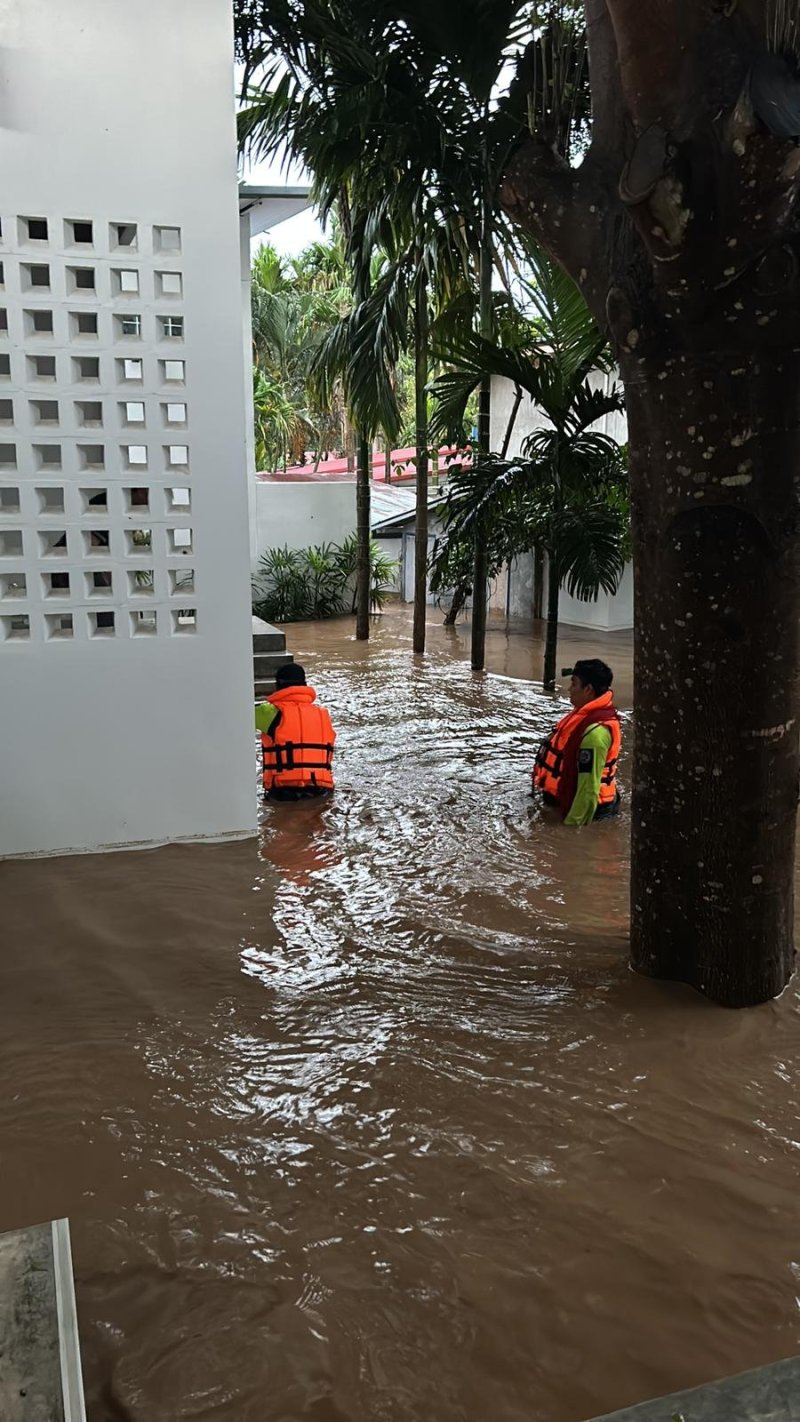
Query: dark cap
point(292, 674)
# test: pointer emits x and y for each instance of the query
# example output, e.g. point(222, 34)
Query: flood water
point(367, 1120)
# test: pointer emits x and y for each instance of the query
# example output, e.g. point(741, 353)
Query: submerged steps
point(770, 1394)
point(269, 653)
point(40, 1367)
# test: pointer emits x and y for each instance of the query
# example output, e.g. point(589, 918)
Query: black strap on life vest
point(609, 772)
point(291, 755)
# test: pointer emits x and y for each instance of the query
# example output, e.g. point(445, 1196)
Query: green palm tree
point(566, 494)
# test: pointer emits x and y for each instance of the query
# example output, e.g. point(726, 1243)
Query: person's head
point(289, 675)
point(590, 678)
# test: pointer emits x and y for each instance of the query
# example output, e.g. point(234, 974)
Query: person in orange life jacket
point(576, 767)
point(297, 739)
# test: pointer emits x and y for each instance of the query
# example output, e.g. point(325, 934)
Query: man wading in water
point(297, 739)
point(576, 767)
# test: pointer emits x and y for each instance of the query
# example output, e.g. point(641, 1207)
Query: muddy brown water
point(367, 1121)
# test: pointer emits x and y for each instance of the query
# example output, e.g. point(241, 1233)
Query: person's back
point(576, 766)
point(297, 739)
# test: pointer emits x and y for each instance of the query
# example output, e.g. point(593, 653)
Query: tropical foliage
point(295, 584)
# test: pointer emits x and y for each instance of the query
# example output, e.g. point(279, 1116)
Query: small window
point(58, 625)
point(53, 543)
point(123, 234)
point(3, 321)
point(51, 500)
point(99, 583)
point(11, 543)
point(175, 414)
point(169, 283)
point(178, 500)
point(130, 325)
point(9, 500)
point(135, 455)
point(138, 498)
point(8, 456)
point(35, 229)
point(96, 542)
point(81, 278)
point(92, 456)
point(101, 624)
point(87, 367)
point(42, 367)
point(80, 233)
point(144, 623)
point(83, 323)
point(181, 581)
point(167, 239)
point(16, 629)
point(171, 327)
point(131, 370)
point(94, 501)
point(180, 540)
point(56, 584)
point(141, 582)
point(139, 540)
point(89, 413)
point(177, 454)
point(185, 620)
point(5, 367)
point(39, 322)
point(6, 412)
point(36, 276)
point(127, 282)
point(48, 456)
point(13, 585)
point(132, 412)
point(44, 412)
point(174, 370)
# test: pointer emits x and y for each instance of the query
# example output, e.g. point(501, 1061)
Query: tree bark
point(363, 534)
point(682, 228)
point(459, 598)
point(551, 632)
point(715, 779)
point(421, 413)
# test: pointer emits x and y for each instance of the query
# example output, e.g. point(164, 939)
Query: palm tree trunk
point(387, 459)
point(481, 563)
point(538, 584)
point(363, 530)
point(551, 637)
point(421, 410)
point(460, 596)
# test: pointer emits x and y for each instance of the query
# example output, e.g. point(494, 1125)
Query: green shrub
point(301, 584)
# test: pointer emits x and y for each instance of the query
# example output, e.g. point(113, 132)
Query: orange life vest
point(298, 747)
point(555, 771)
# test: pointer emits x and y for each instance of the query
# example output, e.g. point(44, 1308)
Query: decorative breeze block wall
point(96, 491)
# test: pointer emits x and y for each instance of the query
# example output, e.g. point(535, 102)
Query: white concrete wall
point(118, 113)
point(297, 515)
point(608, 614)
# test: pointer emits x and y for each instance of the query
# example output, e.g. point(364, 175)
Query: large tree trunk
point(551, 631)
point(538, 584)
point(681, 228)
point(363, 533)
point(715, 474)
point(421, 413)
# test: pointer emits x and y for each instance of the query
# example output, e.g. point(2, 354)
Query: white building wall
point(297, 515)
point(607, 614)
point(140, 731)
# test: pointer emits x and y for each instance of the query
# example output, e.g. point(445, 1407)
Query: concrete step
point(40, 1366)
point(267, 638)
point(770, 1394)
point(265, 664)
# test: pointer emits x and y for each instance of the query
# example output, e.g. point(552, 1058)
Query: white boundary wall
point(125, 655)
point(302, 513)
